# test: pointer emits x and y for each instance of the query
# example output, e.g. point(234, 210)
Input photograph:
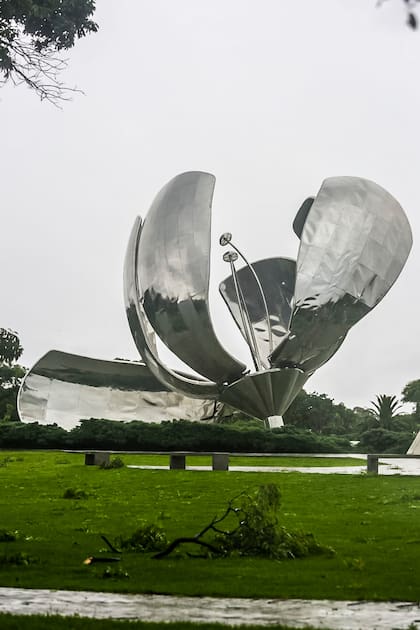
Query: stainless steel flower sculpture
point(354, 241)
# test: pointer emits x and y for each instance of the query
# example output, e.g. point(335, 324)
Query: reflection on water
point(336, 615)
point(386, 467)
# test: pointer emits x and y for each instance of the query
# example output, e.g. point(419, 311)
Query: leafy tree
point(366, 419)
point(32, 34)
point(411, 393)
point(319, 413)
point(10, 375)
point(10, 348)
point(310, 411)
point(385, 409)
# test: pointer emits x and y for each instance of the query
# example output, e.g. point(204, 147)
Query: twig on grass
point(210, 527)
point(110, 545)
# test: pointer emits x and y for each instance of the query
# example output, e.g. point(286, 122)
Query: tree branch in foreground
point(39, 70)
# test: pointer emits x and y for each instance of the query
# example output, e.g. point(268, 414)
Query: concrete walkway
point(337, 615)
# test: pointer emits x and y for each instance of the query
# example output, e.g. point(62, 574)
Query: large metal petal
point(174, 268)
point(277, 279)
point(265, 394)
point(143, 334)
point(65, 388)
point(354, 244)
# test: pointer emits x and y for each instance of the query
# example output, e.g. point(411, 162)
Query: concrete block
point(177, 462)
point(220, 461)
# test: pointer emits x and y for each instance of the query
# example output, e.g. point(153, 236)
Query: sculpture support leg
point(372, 464)
point(220, 461)
point(177, 462)
point(96, 459)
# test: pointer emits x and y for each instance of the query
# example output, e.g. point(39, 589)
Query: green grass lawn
point(371, 522)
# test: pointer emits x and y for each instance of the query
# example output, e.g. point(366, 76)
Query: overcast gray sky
point(271, 97)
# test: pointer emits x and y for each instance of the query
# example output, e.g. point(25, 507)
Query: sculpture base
point(265, 394)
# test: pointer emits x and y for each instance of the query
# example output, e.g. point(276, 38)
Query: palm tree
point(385, 409)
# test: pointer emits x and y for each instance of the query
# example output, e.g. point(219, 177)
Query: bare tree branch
point(33, 34)
point(197, 538)
point(39, 70)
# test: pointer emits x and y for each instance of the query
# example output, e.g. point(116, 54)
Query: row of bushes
point(182, 435)
point(178, 435)
point(385, 441)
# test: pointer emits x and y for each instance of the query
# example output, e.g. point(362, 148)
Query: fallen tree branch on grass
point(252, 529)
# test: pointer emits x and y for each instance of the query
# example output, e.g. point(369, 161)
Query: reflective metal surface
point(354, 241)
point(265, 394)
point(65, 388)
point(301, 216)
point(414, 448)
point(143, 334)
point(354, 244)
point(174, 269)
point(277, 279)
point(131, 289)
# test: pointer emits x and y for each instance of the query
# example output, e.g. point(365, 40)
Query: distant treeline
point(191, 436)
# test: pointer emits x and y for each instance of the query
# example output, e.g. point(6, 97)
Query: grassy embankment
point(371, 522)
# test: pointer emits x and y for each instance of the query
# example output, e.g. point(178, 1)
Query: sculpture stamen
point(230, 257)
point(226, 239)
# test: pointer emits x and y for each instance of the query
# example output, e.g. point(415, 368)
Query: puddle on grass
point(337, 615)
point(386, 467)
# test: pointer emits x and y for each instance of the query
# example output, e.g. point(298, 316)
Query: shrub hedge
point(385, 441)
point(177, 435)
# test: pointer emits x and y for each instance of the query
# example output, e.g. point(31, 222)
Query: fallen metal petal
point(65, 388)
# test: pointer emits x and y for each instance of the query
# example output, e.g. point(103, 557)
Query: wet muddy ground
point(340, 615)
